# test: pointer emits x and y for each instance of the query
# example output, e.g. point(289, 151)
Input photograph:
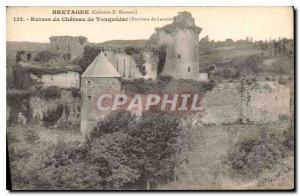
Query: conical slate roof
point(101, 67)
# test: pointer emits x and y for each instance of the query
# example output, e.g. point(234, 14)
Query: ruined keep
point(68, 47)
point(99, 77)
point(179, 46)
point(173, 50)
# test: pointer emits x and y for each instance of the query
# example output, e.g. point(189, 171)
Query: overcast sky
point(218, 23)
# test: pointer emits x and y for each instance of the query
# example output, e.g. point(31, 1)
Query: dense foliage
point(149, 144)
point(239, 67)
point(254, 155)
point(123, 152)
point(166, 84)
point(50, 92)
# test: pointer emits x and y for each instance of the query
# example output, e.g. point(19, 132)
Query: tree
point(155, 142)
point(137, 149)
point(247, 39)
point(108, 153)
point(229, 41)
point(262, 46)
point(276, 47)
point(205, 40)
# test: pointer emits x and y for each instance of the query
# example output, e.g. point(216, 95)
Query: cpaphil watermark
point(147, 102)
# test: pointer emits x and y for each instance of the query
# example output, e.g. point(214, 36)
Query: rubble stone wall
point(260, 102)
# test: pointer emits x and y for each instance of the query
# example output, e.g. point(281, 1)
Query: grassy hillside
point(123, 43)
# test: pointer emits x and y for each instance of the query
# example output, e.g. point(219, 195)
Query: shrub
point(252, 63)
point(53, 166)
point(145, 86)
point(12, 138)
point(65, 167)
point(31, 136)
point(75, 92)
point(230, 73)
point(116, 122)
point(164, 78)
point(252, 156)
point(45, 56)
point(247, 65)
point(50, 92)
point(90, 53)
point(283, 65)
point(239, 67)
point(289, 139)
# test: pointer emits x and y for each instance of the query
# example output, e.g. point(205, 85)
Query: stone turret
point(179, 42)
point(186, 19)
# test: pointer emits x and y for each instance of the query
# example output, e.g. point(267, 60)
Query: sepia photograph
point(150, 98)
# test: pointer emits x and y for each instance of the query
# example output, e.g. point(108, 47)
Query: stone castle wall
point(267, 101)
point(223, 104)
point(62, 80)
point(261, 102)
point(227, 103)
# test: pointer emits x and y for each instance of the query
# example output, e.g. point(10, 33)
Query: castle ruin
point(179, 42)
point(173, 50)
point(68, 47)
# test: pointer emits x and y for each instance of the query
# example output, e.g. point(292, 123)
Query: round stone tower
point(180, 42)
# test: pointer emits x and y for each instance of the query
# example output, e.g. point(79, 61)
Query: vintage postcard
point(150, 98)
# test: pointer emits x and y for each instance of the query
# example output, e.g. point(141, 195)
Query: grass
point(46, 135)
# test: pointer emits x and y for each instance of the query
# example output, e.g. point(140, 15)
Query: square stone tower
point(68, 47)
point(100, 77)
